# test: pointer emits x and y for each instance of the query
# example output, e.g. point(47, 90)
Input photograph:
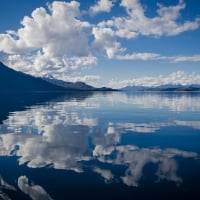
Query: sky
point(111, 43)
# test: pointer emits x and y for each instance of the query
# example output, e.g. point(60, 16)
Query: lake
point(100, 146)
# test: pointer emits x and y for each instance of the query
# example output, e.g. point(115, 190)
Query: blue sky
point(103, 42)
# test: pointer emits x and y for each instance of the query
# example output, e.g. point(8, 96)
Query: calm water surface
point(101, 146)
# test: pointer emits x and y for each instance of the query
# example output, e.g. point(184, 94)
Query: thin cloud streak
point(146, 56)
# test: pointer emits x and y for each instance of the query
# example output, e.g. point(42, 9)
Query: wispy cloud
point(193, 58)
point(146, 56)
point(140, 56)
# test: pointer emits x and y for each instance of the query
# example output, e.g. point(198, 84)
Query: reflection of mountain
point(10, 102)
point(174, 101)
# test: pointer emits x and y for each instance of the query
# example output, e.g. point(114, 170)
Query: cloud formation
point(58, 39)
point(101, 6)
point(165, 23)
point(55, 38)
point(55, 31)
point(136, 23)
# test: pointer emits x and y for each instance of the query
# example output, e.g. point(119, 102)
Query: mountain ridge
point(12, 80)
point(66, 84)
point(164, 88)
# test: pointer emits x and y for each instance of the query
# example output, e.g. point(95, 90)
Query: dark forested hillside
point(11, 80)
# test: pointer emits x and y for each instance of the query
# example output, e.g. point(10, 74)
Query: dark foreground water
point(100, 146)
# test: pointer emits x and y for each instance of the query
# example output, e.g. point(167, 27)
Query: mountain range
point(164, 88)
point(14, 81)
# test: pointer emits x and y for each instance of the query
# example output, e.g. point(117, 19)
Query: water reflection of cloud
point(105, 173)
point(140, 127)
point(5, 185)
point(61, 146)
point(152, 127)
point(5, 188)
point(66, 147)
point(34, 121)
point(109, 150)
point(67, 135)
point(193, 124)
point(37, 118)
point(174, 102)
point(35, 192)
point(135, 159)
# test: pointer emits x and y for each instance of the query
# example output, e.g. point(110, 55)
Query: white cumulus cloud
point(101, 6)
point(55, 38)
point(136, 23)
point(165, 23)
